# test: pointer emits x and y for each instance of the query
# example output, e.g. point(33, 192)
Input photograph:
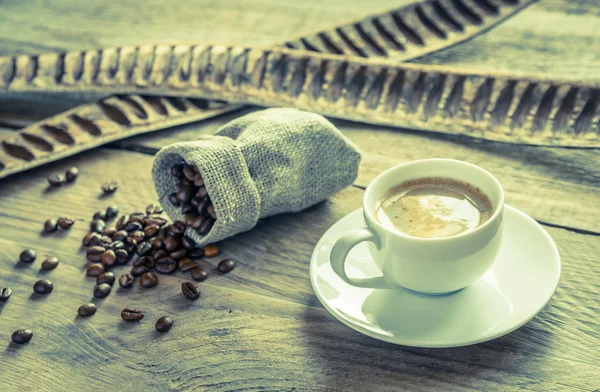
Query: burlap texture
point(261, 164)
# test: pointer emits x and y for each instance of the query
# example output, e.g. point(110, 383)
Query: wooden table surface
point(261, 328)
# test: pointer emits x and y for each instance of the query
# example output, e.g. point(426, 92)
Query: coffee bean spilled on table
point(145, 240)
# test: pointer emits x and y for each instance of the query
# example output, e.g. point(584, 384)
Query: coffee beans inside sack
point(265, 163)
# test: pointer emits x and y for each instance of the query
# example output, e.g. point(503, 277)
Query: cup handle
point(340, 251)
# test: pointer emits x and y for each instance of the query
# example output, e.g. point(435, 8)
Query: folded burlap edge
point(213, 156)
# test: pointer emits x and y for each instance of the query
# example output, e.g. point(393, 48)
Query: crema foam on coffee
point(433, 208)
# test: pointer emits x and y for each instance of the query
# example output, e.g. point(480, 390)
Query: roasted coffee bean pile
point(145, 239)
point(193, 198)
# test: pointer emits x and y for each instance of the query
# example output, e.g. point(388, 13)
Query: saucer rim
point(424, 344)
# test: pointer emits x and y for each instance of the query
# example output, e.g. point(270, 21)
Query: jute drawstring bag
point(261, 164)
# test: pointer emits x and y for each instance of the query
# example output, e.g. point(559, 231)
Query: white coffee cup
point(427, 265)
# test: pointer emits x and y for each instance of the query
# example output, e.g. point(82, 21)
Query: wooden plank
point(553, 185)
point(235, 340)
point(550, 39)
point(260, 321)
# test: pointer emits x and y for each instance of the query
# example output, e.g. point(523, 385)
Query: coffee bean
point(50, 263)
point(197, 222)
point(65, 223)
point(158, 243)
point(153, 209)
point(5, 293)
point(226, 266)
point(159, 254)
point(97, 226)
point(116, 245)
point(143, 248)
point(172, 243)
point(154, 220)
point(109, 186)
point(211, 250)
point(164, 324)
point(105, 241)
point(112, 211)
point(95, 270)
point(94, 253)
point(196, 253)
point(139, 271)
point(150, 263)
point(150, 231)
point(174, 200)
point(187, 208)
point(120, 235)
point(43, 287)
point(198, 180)
point(206, 226)
point(130, 248)
point(133, 226)
point(132, 314)
point(186, 264)
point(107, 277)
point(145, 261)
point(71, 174)
point(99, 215)
point(109, 231)
point(194, 202)
point(185, 193)
point(177, 171)
point(165, 265)
point(179, 254)
point(137, 235)
point(190, 290)
point(202, 192)
point(102, 290)
point(56, 180)
point(188, 243)
point(189, 173)
point(22, 336)
point(90, 239)
point(122, 256)
point(199, 274)
point(148, 280)
point(27, 256)
point(181, 225)
point(126, 280)
point(50, 226)
point(189, 218)
point(87, 310)
point(211, 211)
point(202, 206)
point(123, 220)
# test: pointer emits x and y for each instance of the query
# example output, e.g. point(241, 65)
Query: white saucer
point(519, 284)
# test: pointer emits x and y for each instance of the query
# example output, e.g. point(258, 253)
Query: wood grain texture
point(277, 337)
point(412, 31)
point(513, 108)
point(94, 124)
point(551, 38)
point(261, 327)
point(113, 118)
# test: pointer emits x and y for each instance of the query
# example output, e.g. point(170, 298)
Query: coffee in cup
point(433, 207)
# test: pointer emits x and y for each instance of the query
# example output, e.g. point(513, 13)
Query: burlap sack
point(261, 164)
